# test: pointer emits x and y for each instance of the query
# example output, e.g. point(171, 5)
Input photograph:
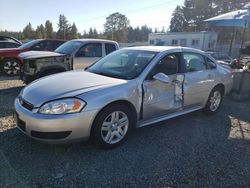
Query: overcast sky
point(16, 14)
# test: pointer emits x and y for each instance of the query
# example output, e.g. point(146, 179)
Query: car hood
point(68, 84)
point(38, 54)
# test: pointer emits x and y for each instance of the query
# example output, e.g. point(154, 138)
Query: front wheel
point(214, 101)
point(11, 67)
point(112, 126)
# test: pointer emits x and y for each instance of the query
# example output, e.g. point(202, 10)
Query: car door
point(199, 79)
point(162, 98)
point(87, 54)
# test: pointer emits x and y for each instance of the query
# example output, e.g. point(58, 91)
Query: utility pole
point(64, 33)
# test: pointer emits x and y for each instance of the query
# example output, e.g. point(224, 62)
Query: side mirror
point(161, 77)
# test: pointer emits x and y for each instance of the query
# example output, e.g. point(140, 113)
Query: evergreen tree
point(178, 22)
point(73, 32)
point(40, 31)
point(28, 32)
point(48, 29)
point(63, 27)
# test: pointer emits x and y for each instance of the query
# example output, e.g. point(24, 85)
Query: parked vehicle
point(77, 53)
point(132, 87)
point(10, 63)
point(221, 58)
point(9, 42)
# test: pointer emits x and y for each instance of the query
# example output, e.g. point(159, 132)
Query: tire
point(214, 101)
point(112, 126)
point(11, 67)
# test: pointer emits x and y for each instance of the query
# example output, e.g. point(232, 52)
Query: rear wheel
point(112, 126)
point(214, 101)
point(11, 67)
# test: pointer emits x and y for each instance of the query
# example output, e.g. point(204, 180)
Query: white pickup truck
point(74, 54)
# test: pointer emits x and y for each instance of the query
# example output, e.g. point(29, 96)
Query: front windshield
point(69, 47)
point(29, 44)
point(124, 64)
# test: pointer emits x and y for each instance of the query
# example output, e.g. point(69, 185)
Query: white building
point(203, 40)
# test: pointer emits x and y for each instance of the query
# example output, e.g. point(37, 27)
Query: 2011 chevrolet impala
point(132, 87)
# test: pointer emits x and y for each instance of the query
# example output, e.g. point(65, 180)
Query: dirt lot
point(194, 150)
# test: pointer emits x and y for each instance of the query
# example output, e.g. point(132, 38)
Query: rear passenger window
point(9, 45)
point(109, 48)
point(194, 62)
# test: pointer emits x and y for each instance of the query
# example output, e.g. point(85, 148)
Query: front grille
point(50, 135)
point(26, 104)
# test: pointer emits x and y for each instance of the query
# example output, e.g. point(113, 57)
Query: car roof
point(50, 40)
point(9, 39)
point(165, 48)
point(94, 40)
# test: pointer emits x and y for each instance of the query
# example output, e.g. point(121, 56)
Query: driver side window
point(40, 46)
point(167, 65)
point(90, 50)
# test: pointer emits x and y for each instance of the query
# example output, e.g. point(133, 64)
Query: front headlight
point(62, 106)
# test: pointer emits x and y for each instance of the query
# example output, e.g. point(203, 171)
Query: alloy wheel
point(215, 101)
point(114, 127)
point(11, 67)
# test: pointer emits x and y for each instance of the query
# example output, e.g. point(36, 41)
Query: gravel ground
point(194, 150)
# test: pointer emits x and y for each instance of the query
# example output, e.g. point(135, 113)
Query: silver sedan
point(130, 88)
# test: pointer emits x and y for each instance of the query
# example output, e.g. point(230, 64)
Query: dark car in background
point(9, 42)
point(11, 64)
point(225, 59)
point(221, 57)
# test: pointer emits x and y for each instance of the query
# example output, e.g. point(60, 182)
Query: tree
point(63, 27)
point(178, 22)
point(116, 27)
point(28, 32)
point(40, 31)
point(144, 32)
point(48, 29)
point(90, 35)
point(73, 32)
point(85, 34)
point(229, 5)
point(95, 34)
point(196, 11)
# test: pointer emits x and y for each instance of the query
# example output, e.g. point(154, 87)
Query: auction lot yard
point(194, 150)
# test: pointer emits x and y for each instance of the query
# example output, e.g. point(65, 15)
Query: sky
point(16, 14)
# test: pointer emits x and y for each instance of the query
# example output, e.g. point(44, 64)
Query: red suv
point(10, 63)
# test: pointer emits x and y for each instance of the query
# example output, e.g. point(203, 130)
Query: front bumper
point(27, 77)
point(54, 128)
